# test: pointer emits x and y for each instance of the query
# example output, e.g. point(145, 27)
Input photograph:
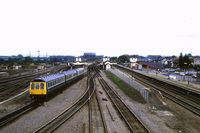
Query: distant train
point(41, 87)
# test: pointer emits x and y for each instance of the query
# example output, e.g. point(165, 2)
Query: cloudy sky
point(107, 27)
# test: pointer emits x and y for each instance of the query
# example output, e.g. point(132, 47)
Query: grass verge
point(126, 88)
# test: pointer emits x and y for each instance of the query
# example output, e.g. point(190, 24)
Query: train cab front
point(37, 90)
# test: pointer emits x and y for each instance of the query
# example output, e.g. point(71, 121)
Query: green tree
point(9, 63)
point(66, 59)
point(27, 61)
point(55, 59)
point(113, 59)
point(186, 61)
point(1, 61)
point(180, 61)
point(123, 59)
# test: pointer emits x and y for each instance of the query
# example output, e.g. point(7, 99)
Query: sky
point(106, 27)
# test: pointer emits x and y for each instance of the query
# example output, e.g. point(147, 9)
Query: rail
point(133, 122)
point(182, 96)
point(13, 115)
point(68, 113)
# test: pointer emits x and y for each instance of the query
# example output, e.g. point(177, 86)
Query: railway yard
point(96, 104)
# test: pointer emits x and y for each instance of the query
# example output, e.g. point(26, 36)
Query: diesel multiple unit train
point(41, 87)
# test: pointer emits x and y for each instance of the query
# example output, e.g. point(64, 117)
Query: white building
point(106, 59)
point(106, 63)
point(78, 59)
point(133, 62)
point(197, 61)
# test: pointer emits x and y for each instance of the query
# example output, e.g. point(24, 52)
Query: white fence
point(129, 80)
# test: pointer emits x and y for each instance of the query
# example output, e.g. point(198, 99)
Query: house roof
point(156, 65)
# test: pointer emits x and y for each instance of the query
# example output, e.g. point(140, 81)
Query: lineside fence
point(129, 80)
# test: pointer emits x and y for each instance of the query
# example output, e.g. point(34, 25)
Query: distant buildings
point(11, 57)
point(156, 61)
point(196, 62)
point(89, 55)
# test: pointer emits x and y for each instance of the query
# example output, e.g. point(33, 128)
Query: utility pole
point(38, 62)
point(46, 58)
point(38, 56)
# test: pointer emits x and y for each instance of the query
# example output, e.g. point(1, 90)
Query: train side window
point(42, 86)
point(37, 86)
point(32, 86)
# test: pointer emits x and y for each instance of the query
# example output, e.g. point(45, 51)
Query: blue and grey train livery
point(43, 86)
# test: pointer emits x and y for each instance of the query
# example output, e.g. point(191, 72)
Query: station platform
point(191, 86)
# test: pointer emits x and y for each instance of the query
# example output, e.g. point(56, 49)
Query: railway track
point(182, 96)
point(13, 115)
point(132, 121)
point(16, 113)
point(68, 113)
point(179, 99)
point(64, 116)
point(24, 76)
point(97, 120)
point(11, 86)
point(86, 98)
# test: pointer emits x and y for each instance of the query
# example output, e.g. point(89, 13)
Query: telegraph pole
point(38, 56)
point(46, 58)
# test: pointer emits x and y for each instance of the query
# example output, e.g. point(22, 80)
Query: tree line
point(26, 61)
point(184, 62)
